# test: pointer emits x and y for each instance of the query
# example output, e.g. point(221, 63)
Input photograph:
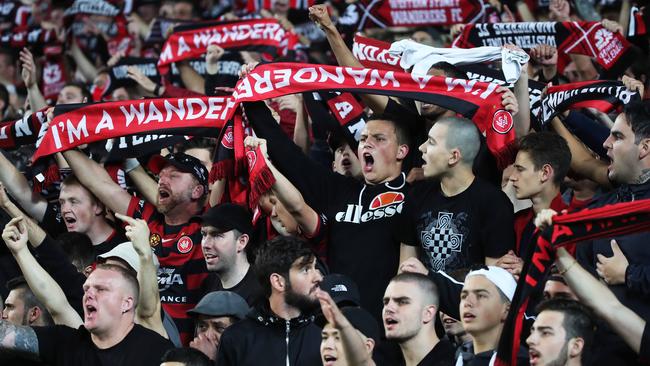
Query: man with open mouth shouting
point(359, 213)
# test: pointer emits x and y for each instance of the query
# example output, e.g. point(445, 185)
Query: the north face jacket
point(265, 339)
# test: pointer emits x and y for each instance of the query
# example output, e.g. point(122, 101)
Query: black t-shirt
point(456, 232)
point(117, 237)
point(249, 287)
point(52, 221)
point(390, 354)
point(61, 345)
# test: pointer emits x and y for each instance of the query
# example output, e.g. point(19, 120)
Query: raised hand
point(15, 235)
point(319, 15)
point(138, 232)
point(544, 54)
point(28, 71)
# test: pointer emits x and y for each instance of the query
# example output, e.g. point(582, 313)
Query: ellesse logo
point(385, 199)
point(386, 204)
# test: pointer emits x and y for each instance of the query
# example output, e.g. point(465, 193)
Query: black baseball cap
point(228, 216)
point(183, 162)
point(342, 289)
point(360, 319)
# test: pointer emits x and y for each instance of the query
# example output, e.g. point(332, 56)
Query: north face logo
point(339, 288)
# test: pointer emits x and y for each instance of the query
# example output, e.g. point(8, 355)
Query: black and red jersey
point(182, 266)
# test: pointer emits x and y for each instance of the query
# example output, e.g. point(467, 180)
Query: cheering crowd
point(305, 182)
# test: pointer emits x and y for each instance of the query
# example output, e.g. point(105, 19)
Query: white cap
point(127, 253)
point(501, 278)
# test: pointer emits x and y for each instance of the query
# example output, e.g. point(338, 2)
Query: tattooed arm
point(18, 338)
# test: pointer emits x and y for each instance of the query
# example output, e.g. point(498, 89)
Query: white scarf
point(422, 57)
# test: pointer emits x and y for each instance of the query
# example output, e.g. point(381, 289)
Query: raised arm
point(287, 193)
point(319, 14)
point(19, 189)
point(313, 180)
point(28, 73)
point(44, 287)
point(217, 189)
point(354, 349)
point(36, 234)
point(94, 177)
point(146, 185)
point(582, 161)
point(87, 69)
point(597, 296)
point(522, 117)
point(191, 79)
point(147, 313)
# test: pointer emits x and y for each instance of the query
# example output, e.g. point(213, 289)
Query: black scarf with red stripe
point(567, 230)
point(604, 95)
point(611, 50)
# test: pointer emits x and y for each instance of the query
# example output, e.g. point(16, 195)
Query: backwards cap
point(501, 278)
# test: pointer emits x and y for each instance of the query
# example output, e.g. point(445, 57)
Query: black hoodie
point(265, 339)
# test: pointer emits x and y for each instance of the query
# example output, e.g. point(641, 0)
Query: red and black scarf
point(637, 26)
point(191, 40)
point(33, 37)
point(611, 50)
point(567, 230)
point(80, 124)
point(244, 169)
point(23, 131)
point(77, 124)
point(340, 114)
point(374, 54)
point(407, 13)
point(254, 6)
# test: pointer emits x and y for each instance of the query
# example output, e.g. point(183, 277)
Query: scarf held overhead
point(74, 125)
point(567, 229)
point(611, 50)
point(409, 13)
point(603, 95)
point(77, 124)
point(23, 131)
point(190, 41)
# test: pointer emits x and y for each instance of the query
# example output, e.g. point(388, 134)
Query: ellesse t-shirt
point(361, 244)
